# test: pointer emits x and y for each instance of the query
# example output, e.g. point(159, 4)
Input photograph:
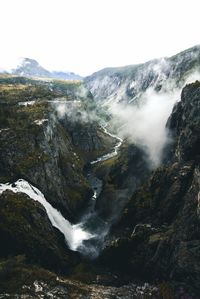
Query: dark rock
point(46, 149)
point(184, 124)
point(26, 229)
point(157, 236)
point(43, 155)
point(127, 172)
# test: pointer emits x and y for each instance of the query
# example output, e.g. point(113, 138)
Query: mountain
point(65, 75)
point(155, 236)
point(128, 83)
point(31, 68)
point(88, 214)
point(158, 232)
point(139, 98)
point(2, 71)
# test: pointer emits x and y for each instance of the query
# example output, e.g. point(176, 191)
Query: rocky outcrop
point(21, 280)
point(25, 229)
point(184, 124)
point(88, 139)
point(157, 236)
point(121, 177)
point(44, 155)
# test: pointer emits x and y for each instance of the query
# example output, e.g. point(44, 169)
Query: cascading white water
point(74, 234)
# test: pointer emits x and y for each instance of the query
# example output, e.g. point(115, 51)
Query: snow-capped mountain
point(31, 68)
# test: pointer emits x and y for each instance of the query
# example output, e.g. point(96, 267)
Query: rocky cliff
point(157, 236)
point(128, 83)
point(121, 176)
point(45, 147)
point(49, 133)
point(26, 230)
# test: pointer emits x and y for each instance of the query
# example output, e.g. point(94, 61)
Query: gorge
point(99, 183)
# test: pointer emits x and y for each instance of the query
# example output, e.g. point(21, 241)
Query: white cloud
point(144, 125)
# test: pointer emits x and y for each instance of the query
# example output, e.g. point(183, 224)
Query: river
point(90, 220)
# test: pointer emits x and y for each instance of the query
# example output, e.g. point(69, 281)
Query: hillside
point(91, 215)
point(157, 235)
point(128, 83)
point(47, 138)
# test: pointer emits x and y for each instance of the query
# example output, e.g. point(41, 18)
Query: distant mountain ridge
point(31, 68)
point(127, 83)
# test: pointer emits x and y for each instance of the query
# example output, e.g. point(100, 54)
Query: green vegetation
point(195, 84)
point(102, 169)
point(20, 89)
point(36, 143)
point(15, 272)
point(26, 230)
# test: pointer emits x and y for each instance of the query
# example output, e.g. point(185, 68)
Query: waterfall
point(74, 234)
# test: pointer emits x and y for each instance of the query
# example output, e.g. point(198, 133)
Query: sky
point(84, 36)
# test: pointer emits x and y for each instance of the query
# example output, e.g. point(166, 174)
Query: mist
point(143, 120)
point(81, 108)
point(144, 124)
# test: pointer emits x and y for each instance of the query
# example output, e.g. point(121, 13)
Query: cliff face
point(44, 156)
point(46, 148)
point(121, 177)
point(128, 83)
point(48, 134)
point(184, 124)
point(158, 233)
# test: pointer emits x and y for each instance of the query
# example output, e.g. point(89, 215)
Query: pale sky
point(84, 36)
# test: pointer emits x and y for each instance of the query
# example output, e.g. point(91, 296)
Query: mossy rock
point(26, 229)
point(16, 271)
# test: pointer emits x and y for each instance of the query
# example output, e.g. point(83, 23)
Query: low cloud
point(81, 108)
point(144, 124)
